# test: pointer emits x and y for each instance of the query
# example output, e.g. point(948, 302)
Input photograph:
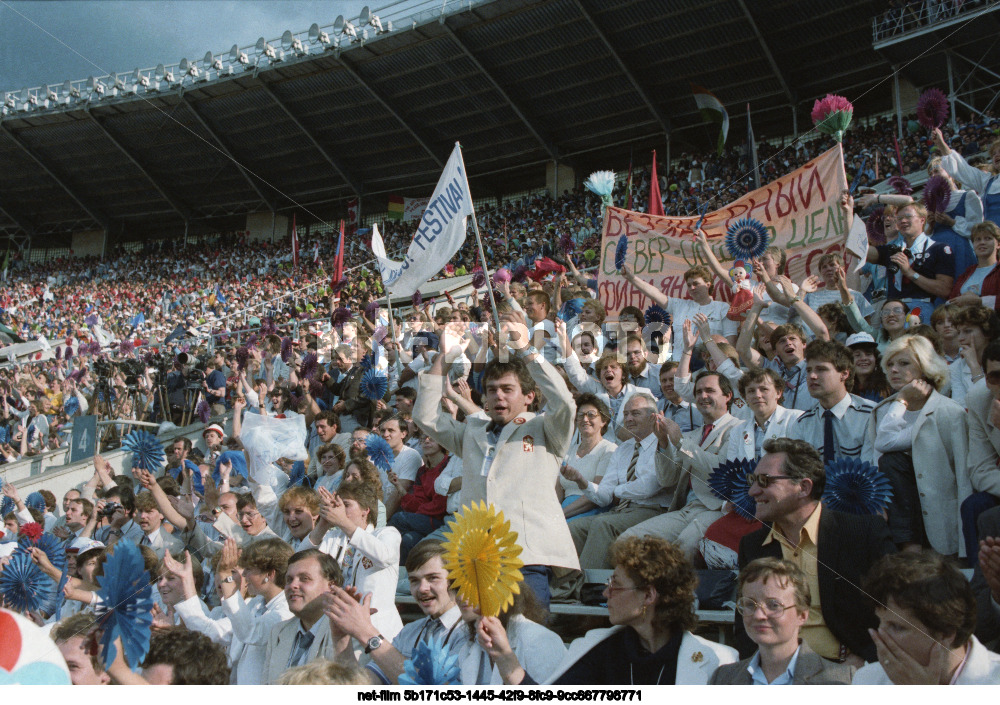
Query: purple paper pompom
point(901, 185)
point(286, 349)
point(932, 108)
point(310, 364)
point(417, 299)
point(478, 279)
point(316, 388)
point(204, 411)
point(338, 286)
point(566, 243)
point(69, 354)
point(876, 227)
point(371, 310)
point(937, 194)
point(520, 274)
point(126, 347)
point(242, 356)
point(340, 316)
point(269, 327)
point(252, 341)
point(59, 353)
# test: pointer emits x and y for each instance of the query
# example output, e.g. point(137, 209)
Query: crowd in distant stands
point(314, 460)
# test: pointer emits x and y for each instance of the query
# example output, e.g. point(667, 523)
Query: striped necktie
point(630, 475)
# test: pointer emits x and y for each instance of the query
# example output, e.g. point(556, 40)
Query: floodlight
point(95, 86)
point(315, 35)
point(290, 42)
point(338, 24)
point(364, 36)
point(139, 79)
point(51, 97)
point(212, 62)
point(70, 90)
point(365, 15)
point(350, 31)
point(238, 56)
point(188, 68)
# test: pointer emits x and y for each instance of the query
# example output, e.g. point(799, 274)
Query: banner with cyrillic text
point(440, 233)
point(801, 212)
point(413, 208)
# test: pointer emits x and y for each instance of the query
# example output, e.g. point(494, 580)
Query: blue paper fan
point(657, 314)
point(379, 451)
point(6, 506)
point(431, 664)
point(125, 613)
point(368, 361)
point(621, 251)
point(35, 500)
point(374, 384)
point(147, 452)
point(238, 460)
point(746, 239)
point(855, 487)
point(50, 545)
point(25, 588)
point(729, 482)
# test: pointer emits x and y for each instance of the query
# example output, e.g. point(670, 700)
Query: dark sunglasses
point(765, 480)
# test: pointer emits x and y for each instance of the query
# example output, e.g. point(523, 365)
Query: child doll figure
point(742, 295)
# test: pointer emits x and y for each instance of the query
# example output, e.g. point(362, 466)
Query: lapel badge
point(697, 657)
point(528, 444)
point(367, 563)
point(519, 421)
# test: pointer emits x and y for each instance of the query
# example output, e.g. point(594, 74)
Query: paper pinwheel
point(621, 252)
point(478, 279)
point(657, 314)
point(204, 411)
point(286, 349)
point(937, 194)
point(901, 185)
point(855, 487)
point(875, 225)
point(932, 108)
point(25, 588)
point(147, 452)
point(52, 547)
point(482, 559)
point(374, 384)
point(746, 239)
point(127, 603)
point(368, 360)
point(6, 506)
point(832, 115)
point(35, 500)
point(728, 482)
point(431, 664)
point(380, 452)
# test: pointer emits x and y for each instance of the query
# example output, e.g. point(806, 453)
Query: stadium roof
point(518, 82)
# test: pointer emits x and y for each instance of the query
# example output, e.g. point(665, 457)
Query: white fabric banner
point(386, 266)
point(413, 208)
point(440, 233)
point(857, 242)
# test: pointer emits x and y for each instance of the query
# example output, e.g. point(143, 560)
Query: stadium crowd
point(336, 445)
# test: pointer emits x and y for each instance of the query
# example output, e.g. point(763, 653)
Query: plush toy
point(742, 295)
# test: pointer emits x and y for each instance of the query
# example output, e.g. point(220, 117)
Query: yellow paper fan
point(482, 559)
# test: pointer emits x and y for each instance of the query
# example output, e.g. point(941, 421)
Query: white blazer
point(251, 628)
point(741, 438)
point(696, 661)
point(370, 561)
point(940, 449)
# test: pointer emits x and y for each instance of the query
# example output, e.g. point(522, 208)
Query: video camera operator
point(215, 386)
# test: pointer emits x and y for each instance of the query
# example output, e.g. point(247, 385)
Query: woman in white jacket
point(369, 557)
point(921, 440)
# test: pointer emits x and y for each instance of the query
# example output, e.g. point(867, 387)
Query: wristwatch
point(530, 350)
point(374, 643)
point(916, 276)
point(229, 579)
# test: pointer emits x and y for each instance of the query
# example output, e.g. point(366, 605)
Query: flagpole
point(479, 243)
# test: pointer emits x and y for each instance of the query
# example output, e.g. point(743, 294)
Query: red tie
point(705, 431)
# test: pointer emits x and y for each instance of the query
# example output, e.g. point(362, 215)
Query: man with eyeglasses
point(833, 549)
point(924, 269)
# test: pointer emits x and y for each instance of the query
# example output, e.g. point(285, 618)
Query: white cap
point(859, 338)
point(79, 545)
point(214, 427)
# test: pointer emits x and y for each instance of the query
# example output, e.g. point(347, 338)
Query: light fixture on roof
point(27, 101)
point(71, 91)
point(239, 57)
point(51, 96)
point(95, 87)
point(211, 62)
point(289, 42)
point(264, 49)
point(188, 68)
point(367, 18)
point(140, 79)
point(346, 28)
point(318, 36)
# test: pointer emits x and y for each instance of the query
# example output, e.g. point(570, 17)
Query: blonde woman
point(921, 440)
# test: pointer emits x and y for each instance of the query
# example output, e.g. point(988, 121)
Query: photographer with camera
point(214, 386)
point(920, 270)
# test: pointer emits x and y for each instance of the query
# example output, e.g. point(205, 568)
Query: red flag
point(338, 259)
point(295, 243)
point(655, 203)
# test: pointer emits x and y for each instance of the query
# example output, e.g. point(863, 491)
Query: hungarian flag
point(295, 243)
point(655, 202)
point(338, 258)
point(397, 206)
point(713, 110)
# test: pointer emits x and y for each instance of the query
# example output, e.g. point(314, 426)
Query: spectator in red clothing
point(422, 509)
point(980, 283)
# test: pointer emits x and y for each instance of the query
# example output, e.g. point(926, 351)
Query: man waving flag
point(440, 234)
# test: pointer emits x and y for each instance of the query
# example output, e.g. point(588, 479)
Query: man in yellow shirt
point(834, 550)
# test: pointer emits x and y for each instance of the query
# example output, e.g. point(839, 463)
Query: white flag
point(386, 266)
point(440, 234)
point(857, 242)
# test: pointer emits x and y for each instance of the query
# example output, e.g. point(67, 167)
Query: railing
point(896, 21)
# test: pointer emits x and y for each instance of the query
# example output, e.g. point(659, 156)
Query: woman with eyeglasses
point(651, 607)
point(587, 459)
point(921, 440)
point(773, 599)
